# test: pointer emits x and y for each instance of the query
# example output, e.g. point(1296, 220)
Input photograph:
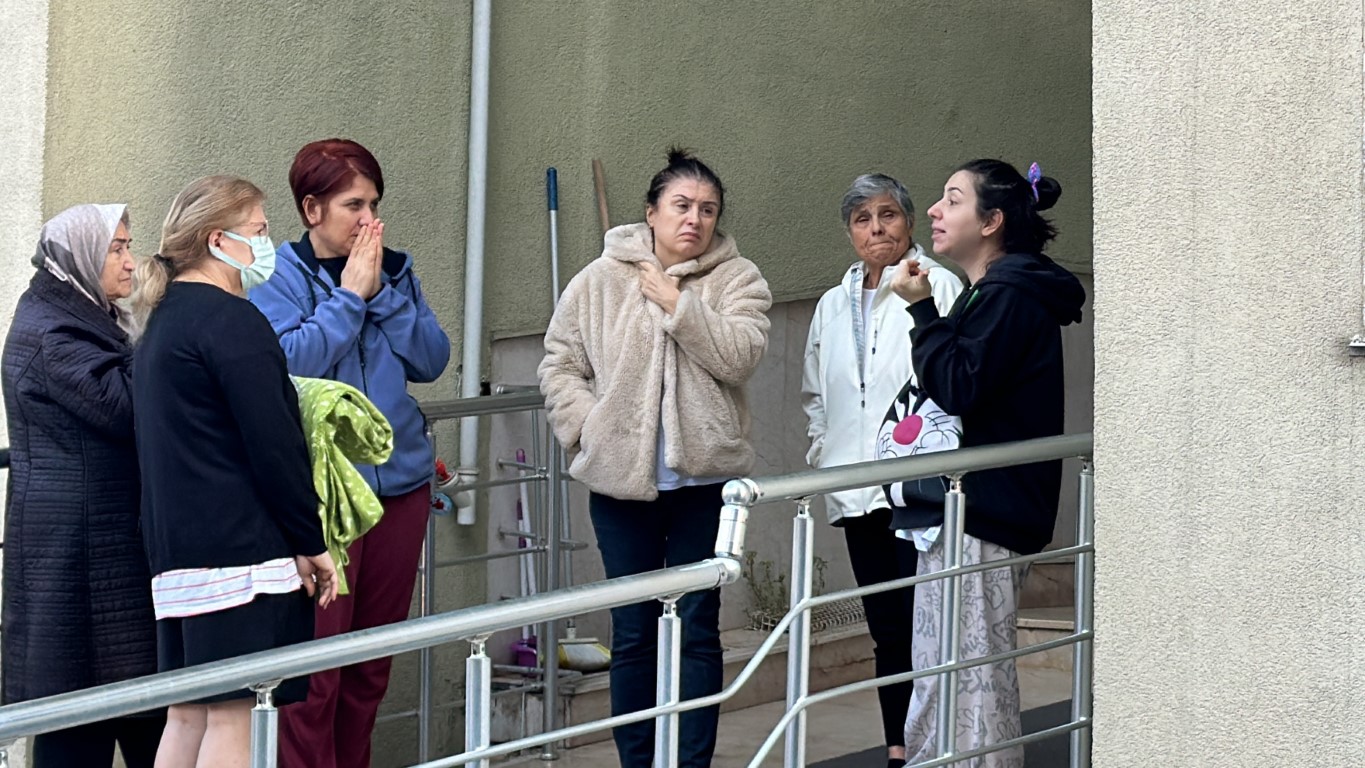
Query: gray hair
point(873, 185)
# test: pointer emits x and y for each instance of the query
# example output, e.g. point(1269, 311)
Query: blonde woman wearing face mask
point(645, 365)
point(230, 517)
point(78, 603)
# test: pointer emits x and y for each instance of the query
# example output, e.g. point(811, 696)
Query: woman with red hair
point(347, 308)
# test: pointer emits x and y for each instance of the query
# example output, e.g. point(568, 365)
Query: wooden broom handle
point(599, 182)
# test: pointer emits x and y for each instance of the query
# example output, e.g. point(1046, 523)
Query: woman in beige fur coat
point(645, 365)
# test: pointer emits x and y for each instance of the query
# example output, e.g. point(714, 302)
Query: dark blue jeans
point(637, 536)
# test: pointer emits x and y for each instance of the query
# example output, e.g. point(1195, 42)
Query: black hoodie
point(996, 362)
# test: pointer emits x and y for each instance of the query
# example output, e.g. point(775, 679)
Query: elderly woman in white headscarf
point(77, 607)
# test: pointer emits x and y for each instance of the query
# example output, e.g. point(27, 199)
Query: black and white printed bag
point(915, 424)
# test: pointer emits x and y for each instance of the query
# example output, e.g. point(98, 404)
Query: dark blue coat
point(77, 608)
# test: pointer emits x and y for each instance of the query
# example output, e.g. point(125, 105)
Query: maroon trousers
point(332, 728)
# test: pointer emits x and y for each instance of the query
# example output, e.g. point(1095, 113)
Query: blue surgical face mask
point(260, 270)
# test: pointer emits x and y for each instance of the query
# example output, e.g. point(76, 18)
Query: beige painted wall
point(788, 102)
point(145, 96)
point(23, 59)
point(1228, 420)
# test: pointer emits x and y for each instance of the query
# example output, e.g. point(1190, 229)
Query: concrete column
point(1228, 417)
point(23, 103)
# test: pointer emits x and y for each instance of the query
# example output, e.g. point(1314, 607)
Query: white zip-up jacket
point(852, 374)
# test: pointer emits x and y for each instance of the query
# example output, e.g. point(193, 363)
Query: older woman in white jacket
point(645, 365)
point(857, 360)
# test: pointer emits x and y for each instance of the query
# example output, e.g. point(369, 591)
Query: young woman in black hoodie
point(995, 361)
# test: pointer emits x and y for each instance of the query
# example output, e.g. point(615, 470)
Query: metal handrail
point(741, 494)
point(262, 671)
point(934, 671)
point(508, 399)
point(798, 485)
point(766, 647)
point(164, 689)
point(487, 405)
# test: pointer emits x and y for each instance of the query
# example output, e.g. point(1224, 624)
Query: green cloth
point(343, 428)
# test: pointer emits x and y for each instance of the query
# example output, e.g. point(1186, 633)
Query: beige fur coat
point(615, 361)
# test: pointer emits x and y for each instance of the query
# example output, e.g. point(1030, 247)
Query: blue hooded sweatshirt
point(378, 346)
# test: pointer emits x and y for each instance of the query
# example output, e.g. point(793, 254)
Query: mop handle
point(552, 199)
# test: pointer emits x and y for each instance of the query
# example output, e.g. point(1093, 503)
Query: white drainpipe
point(472, 371)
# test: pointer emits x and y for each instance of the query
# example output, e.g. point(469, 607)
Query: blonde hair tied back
point(205, 205)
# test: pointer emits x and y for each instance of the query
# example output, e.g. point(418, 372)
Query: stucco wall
point(145, 96)
point(1227, 417)
point(788, 102)
point(23, 59)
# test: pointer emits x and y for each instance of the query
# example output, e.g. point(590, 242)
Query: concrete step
point(1039, 625)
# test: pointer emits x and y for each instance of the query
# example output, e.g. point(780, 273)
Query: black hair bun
point(1049, 189)
point(679, 155)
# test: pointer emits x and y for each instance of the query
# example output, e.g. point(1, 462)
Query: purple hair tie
point(1035, 175)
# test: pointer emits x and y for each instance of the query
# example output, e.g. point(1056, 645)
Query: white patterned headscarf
point(74, 245)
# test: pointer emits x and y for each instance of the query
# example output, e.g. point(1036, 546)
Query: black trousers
point(638, 536)
point(878, 555)
point(92, 746)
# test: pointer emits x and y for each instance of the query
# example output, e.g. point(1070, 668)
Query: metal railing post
point(1083, 654)
point(478, 699)
point(425, 657)
point(668, 686)
point(798, 636)
point(950, 617)
point(539, 452)
point(549, 636)
point(566, 516)
point(426, 596)
point(265, 726)
point(738, 495)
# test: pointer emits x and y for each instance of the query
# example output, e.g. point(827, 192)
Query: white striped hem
point(196, 591)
